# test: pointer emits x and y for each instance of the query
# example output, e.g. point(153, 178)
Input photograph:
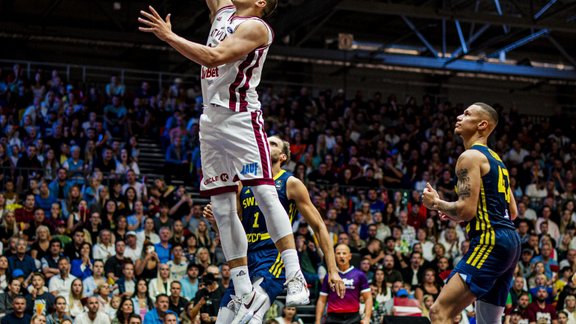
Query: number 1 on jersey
point(256, 225)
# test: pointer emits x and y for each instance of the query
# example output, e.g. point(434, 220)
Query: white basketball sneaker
point(250, 304)
point(298, 293)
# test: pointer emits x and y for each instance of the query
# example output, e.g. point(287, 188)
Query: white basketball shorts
point(233, 146)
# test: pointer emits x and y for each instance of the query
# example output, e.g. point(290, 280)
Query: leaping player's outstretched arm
point(247, 37)
point(215, 5)
point(297, 191)
point(468, 185)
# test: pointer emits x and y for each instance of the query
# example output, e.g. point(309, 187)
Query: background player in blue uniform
point(486, 202)
point(264, 263)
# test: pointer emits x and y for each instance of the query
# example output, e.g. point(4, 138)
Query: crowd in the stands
point(85, 234)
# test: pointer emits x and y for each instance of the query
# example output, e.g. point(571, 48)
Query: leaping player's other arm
point(215, 5)
point(468, 185)
point(297, 191)
point(247, 37)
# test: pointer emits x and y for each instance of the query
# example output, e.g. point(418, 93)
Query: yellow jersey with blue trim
point(494, 201)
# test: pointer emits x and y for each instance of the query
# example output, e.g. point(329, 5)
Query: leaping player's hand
point(208, 214)
point(336, 284)
point(155, 24)
point(429, 197)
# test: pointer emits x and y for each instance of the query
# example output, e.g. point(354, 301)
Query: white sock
point(291, 263)
point(241, 279)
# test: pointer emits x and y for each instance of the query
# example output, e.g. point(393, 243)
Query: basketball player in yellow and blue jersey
point(264, 262)
point(486, 203)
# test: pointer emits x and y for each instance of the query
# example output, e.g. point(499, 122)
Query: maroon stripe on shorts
point(239, 77)
point(260, 140)
point(242, 91)
point(218, 191)
point(257, 182)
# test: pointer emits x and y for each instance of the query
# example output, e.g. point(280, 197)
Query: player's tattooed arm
point(463, 184)
point(467, 186)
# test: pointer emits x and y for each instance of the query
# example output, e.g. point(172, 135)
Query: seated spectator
point(59, 315)
point(546, 215)
point(430, 286)
point(106, 164)
point(550, 265)
point(136, 221)
point(81, 267)
point(60, 284)
point(92, 314)
point(126, 163)
point(125, 311)
point(74, 209)
point(14, 290)
point(161, 309)
point(97, 278)
point(75, 166)
point(18, 315)
point(121, 228)
point(40, 247)
point(45, 198)
point(127, 283)
point(142, 303)
point(21, 260)
point(113, 266)
point(25, 214)
point(60, 187)
point(177, 302)
point(178, 264)
point(39, 301)
point(72, 251)
point(160, 284)
point(540, 309)
point(104, 249)
point(74, 298)
point(133, 249)
point(140, 188)
point(163, 247)
point(414, 274)
point(92, 188)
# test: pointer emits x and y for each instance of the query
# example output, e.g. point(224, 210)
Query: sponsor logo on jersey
point(218, 34)
point(250, 168)
point(207, 73)
point(208, 181)
point(224, 177)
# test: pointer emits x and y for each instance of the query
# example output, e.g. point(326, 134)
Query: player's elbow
point(214, 59)
point(467, 214)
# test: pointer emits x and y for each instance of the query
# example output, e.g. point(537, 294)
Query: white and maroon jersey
point(233, 85)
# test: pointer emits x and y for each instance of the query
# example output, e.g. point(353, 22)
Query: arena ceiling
point(527, 38)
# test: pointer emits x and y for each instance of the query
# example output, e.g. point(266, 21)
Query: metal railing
point(90, 74)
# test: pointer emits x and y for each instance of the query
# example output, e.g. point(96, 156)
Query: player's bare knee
point(440, 313)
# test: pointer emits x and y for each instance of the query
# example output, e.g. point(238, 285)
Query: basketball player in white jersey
point(233, 142)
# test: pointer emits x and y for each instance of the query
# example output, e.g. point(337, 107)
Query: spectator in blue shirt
point(22, 260)
point(163, 248)
point(550, 265)
point(159, 312)
point(60, 186)
point(45, 198)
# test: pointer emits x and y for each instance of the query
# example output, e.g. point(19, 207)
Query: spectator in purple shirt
point(345, 310)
